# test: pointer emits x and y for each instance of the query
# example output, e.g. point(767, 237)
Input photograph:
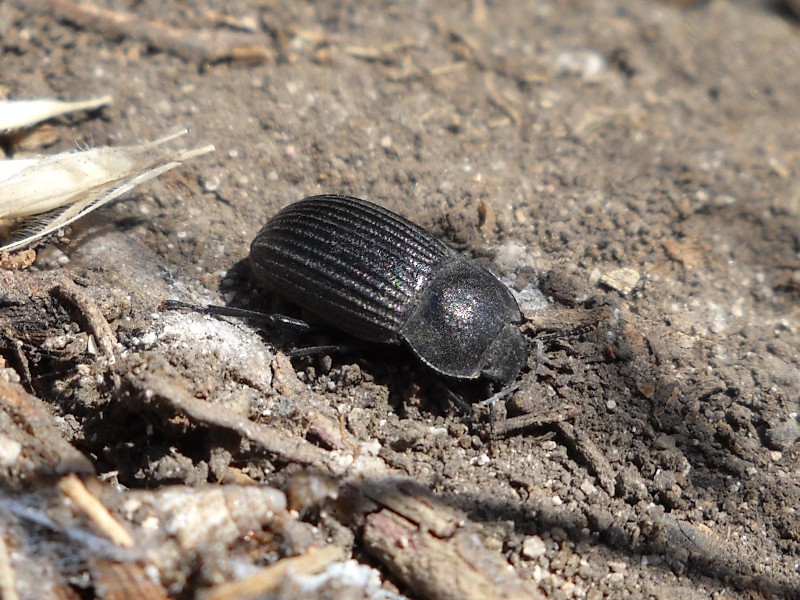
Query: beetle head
point(506, 356)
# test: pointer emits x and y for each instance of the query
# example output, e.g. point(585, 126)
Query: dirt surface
point(631, 167)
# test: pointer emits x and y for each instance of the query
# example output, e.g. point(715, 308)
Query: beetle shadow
point(686, 549)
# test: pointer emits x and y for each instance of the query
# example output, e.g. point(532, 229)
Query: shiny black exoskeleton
point(373, 274)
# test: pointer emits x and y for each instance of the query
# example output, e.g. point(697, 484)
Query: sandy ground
point(562, 144)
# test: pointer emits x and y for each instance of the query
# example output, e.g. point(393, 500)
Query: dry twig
point(8, 587)
point(95, 322)
point(593, 457)
point(205, 46)
point(454, 568)
point(72, 487)
point(272, 439)
point(272, 577)
point(504, 427)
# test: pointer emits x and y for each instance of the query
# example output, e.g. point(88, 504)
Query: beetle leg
point(457, 400)
point(273, 320)
point(318, 350)
point(504, 393)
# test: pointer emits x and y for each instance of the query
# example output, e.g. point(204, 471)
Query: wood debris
point(621, 280)
point(203, 45)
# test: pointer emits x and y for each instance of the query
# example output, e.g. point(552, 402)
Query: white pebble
point(533, 547)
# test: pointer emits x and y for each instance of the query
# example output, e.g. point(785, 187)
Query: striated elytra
point(377, 276)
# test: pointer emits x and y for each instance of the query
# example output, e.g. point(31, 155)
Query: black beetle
point(377, 276)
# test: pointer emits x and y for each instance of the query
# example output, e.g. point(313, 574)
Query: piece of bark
point(415, 503)
point(157, 388)
point(459, 567)
point(27, 421)
point(271, 578)
point(123, 581)
point(592, 457)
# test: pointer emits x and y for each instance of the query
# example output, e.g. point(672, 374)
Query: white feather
point(17, 114)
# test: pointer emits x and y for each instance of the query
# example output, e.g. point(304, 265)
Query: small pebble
point(211, 184)
point(783, 435)
point(664, 442)
point(617, 566)
point(587, 64)
point(616, 580)
point(533, 547)
point(621, 280)
point(483, 460)
point(9, 451)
